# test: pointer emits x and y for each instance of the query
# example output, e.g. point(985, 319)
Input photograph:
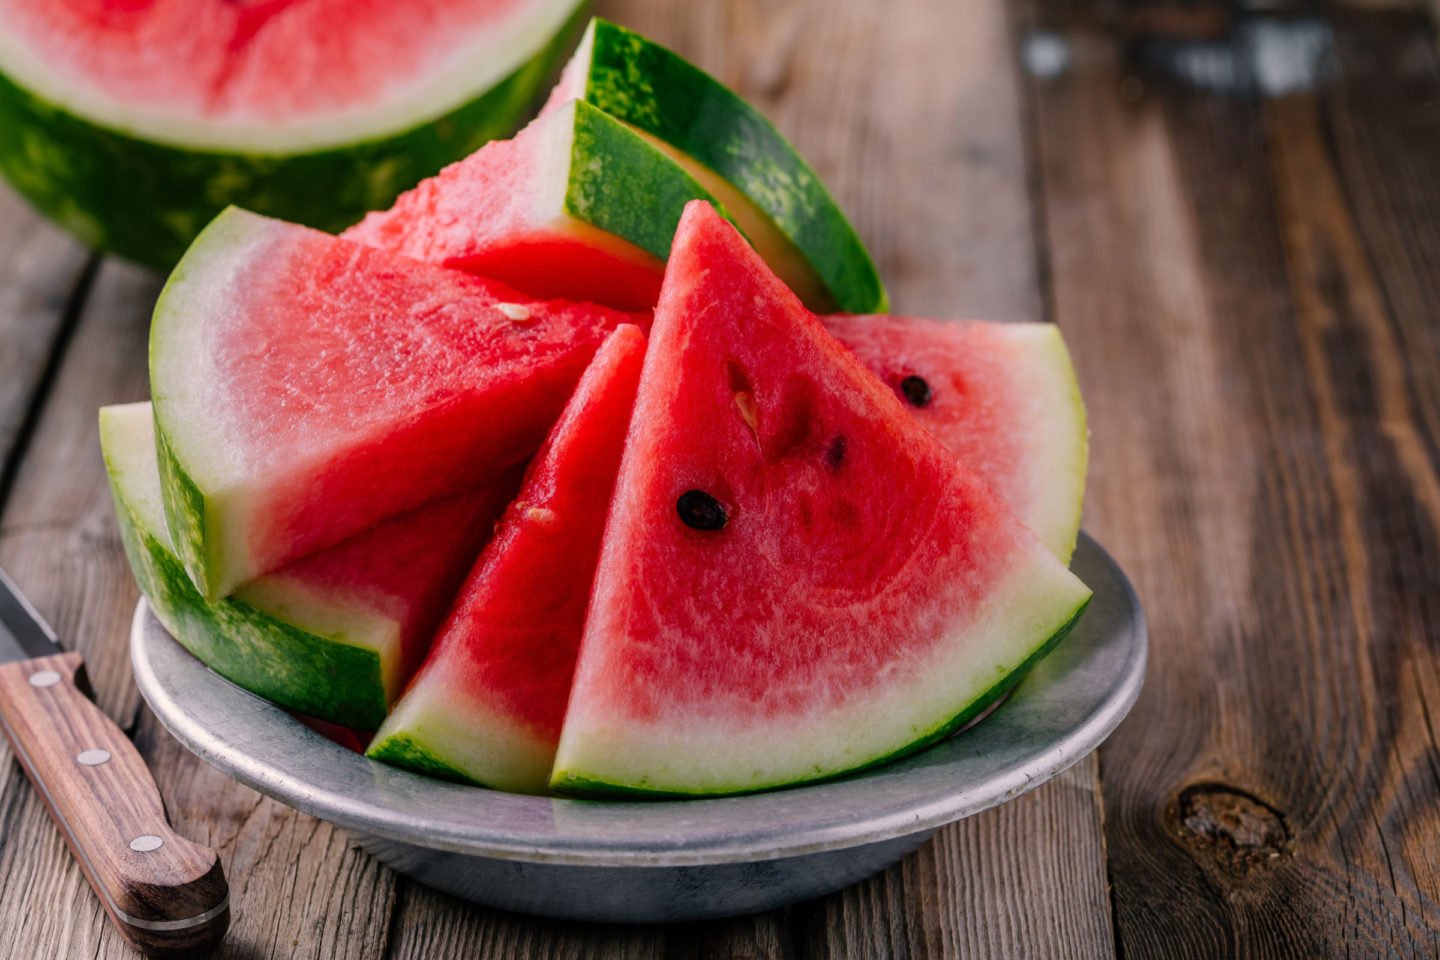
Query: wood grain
point(166, 900)
point(1261, 471)
point(43, 279)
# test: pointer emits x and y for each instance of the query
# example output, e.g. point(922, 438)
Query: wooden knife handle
point(167, 896)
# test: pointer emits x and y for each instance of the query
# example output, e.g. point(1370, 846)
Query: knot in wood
point(1236, 829)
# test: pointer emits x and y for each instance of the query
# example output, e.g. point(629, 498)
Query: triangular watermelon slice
point(1000, 396)
point(797, 580)
point(334, 635)
point(306, 387)
point(488, 703)
point(576, 205)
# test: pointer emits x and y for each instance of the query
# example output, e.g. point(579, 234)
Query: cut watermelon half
point(775, 197)
point(577, 205)
point(306, 388)
point(488, 703)
point(334, 635)
point(134, 123)
point(1002, 397)
point(797, 580)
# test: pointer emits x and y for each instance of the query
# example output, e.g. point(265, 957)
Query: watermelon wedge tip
point(488, 703)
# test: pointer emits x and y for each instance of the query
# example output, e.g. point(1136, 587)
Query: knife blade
point(23, 633)
point(166, 895)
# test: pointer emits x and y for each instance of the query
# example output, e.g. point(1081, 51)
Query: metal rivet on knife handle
point(93, 758)
point(44, 678)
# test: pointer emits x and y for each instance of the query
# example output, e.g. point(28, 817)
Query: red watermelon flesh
point(797, 580)
point(259, 61)
point(1000, 396)
point(307, 387)
point(488, 703)
point(404, 570)
point(504, 212)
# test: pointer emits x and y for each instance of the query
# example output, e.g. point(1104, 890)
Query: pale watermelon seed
point(745, 401)
point(517, 312)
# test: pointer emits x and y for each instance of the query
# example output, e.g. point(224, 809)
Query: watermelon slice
point(1000, 396)
point(797, 580)
point(729, 147)
point(306, 388)
point(133, 122)
point(488, 703)
point(334, 635)
point(738, 154)
point(577, 205)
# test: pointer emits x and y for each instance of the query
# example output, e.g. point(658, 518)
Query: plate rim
point(350, 800)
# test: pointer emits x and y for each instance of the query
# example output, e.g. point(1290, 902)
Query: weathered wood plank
point(1017, 881)
point(42, 281)
point(911, 115)
point(57, 540)
point(1260, 470)
point(57, 528)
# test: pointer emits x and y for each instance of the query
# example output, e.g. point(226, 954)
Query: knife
point(166, 895)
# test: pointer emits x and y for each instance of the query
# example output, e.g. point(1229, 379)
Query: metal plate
point(1067, 705)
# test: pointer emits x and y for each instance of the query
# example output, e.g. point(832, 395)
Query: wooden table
point(1250, 283)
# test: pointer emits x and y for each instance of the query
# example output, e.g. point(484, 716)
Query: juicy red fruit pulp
point(270, 59)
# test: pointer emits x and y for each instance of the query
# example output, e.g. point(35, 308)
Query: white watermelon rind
point(1061, 444)
point(194, 450)
point(144, 190)
point(344, 676)
point(873, 730)
point(459, 740)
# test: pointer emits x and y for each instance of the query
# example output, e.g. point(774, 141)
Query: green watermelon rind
point(293, 667)
point(402, 750)
point(661, 93)
point(184, 510)
point(580, 786)
point(145, 200)
point(612, 165)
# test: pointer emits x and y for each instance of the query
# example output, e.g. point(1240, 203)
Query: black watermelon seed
point(701, 511)
point(916, 391)
point(835, 453)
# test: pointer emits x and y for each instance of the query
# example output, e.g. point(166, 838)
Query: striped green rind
point(184, 514)
point(658, 92)
point(294, 667)
point(146, 200)
point(578, 785)
point(612, 169)
point(402, 750)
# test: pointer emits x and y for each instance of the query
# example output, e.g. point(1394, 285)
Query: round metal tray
point(653, 861)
